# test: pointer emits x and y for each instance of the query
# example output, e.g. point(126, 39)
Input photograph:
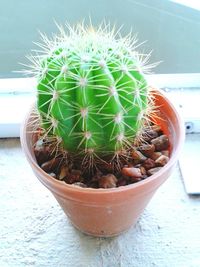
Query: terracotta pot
point(109, 212)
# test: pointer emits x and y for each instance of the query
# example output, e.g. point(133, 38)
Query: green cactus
point(92, 94)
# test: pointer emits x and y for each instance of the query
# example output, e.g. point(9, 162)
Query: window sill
point(17, 95)
point(12, 112)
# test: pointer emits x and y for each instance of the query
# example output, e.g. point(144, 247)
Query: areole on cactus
point(93, 97)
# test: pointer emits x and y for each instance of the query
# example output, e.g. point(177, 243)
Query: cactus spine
point(92, 94)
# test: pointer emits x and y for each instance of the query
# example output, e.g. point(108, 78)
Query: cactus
point(93, 97)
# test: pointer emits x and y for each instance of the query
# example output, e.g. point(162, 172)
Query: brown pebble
point(64, 172)
point(36, 136)
point(162, 160)
point(42, 152)
point(52, 174)
point(143, 170)
point(147, 149)
point(165, 153)
point(156, 128)
point(149, 164)
point(149, 135)
point(108, 181)
point(80, 184)
point(153, 170)
point(76, 172)
point(96, 176)
point(135, 179)
point(137, 155)
point(161, 142)
point(51, 165)
point(156, 155)
point(121, 182)
point(132, 172)
point(74, 176)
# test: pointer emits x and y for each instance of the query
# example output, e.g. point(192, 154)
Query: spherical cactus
point(92, 96)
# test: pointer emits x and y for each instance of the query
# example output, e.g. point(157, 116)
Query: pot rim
point(68, 187)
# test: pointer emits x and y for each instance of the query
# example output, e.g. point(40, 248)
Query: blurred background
point(171, 29)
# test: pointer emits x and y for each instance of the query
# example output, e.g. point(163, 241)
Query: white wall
point(172, 30)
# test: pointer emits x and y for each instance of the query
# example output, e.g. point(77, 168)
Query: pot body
point(109, 212)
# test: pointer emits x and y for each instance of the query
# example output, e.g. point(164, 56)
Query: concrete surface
point(35, 232)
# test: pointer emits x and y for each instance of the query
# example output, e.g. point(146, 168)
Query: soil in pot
point(146, 157)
